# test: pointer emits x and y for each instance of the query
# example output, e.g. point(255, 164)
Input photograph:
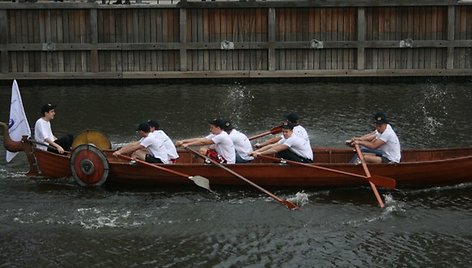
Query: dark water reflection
point(51, 224)
point(425, 115)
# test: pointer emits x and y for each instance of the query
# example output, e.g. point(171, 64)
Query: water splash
point(392, 207)
point(300, 199)
point(238, 101)
point(433, 108)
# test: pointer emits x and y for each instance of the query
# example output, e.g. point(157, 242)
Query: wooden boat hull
point(420, 168)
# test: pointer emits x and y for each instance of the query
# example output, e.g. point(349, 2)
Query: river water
point(60, 224)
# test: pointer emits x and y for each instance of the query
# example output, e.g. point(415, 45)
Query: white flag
point(18, 125)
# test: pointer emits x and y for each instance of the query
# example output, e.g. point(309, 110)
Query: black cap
point(380, 118)
point(217, 122)
point(288, 125)
point(143, 127)
point(228, 126)
point(153, 123)
point(292, 117)
point(47, 107)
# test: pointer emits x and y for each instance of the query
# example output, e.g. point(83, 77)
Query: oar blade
point(201, 181)
point(276, 130)
point(383, 181)
point(289, 204)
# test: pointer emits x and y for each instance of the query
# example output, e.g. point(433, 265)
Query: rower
point(292, 118)
point(381, 145)
point(43, 132)
point(291, 147)
point(217, 145)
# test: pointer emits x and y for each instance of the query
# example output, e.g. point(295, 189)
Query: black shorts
point(152, 159)
point(292, 156)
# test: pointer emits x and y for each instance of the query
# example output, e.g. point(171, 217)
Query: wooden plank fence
point(270, 39)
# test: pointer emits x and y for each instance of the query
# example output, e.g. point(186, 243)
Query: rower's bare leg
point(203, 150)
point(372, 158)
point(139, 154)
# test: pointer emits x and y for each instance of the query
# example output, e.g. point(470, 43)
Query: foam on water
point(442, 188)
point(95, 218)
point(87, 218)
point(392, 206)
point(300, 199)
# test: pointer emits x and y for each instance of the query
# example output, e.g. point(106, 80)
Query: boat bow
point(11, 145)
point(18, 146)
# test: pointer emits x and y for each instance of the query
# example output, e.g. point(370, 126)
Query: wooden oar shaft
point(379, 180)
point(273, 130)
point(282, 201)
point(367, 173)
point(157, 167)
point(47, 145)
point(246, 180)
point(259, 135)
point(361, 157)
point(198, 180)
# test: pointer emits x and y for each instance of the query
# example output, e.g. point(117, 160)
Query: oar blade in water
point(383, 181)
point(290, 205)
point(201, 181)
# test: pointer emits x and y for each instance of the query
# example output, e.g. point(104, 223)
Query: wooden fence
point(270, 39)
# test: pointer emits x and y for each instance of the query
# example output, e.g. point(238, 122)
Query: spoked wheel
point(89, 166)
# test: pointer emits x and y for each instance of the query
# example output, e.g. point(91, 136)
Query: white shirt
point(168, 144)
point(301, 132)
point(299, 146)
point(242, 145)
point(155, 147)
point(391, 146)
point(224, 146)
point(42, 131)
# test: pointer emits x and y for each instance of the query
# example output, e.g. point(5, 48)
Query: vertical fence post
point(94, 41)
point(271, 39)
point(451, 19)
point(183, 39)
point(361, 26)
point(4, 62)
point(48, 40)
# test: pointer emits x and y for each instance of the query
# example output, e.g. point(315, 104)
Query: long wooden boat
point(92, 166)
point(419, 168)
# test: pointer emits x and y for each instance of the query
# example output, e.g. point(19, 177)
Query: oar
point(47, 145)
point(382, 181)
point(367, 173)
point(282, 201)
point(274, 130)
point(198, 180)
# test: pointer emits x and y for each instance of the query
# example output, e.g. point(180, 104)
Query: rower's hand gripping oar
point(367, 173)
point(288, 204)
point(274, 130)
point(48, 146)
point(382, 181)
point(198, 180)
